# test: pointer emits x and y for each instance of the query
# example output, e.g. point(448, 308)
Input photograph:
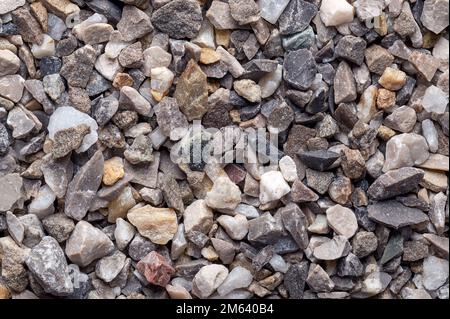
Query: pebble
point(208, 279)
point(11, 191)
point(86, 244)
point(83, 187)
point(219, 14)
point(59, 226)
point(288, 168)
point(272, 187)
point(333, 249)
point(299, 69)
point(395, 182)
point(9, 63)
point(396, 215)
point(345, 85)
point(271, 10)
point(318, 280)
point(179, 19)
point(342, 220)
point(134, 23)
point(47, 263)
point(378, 59)
point(335, 13)
point(435, 272)
point(113, 170)
point(42, 204)
point(238, 278)
point(351, 48)
point(15, 228)
point(236, 226)
point(244, 11)
point(109, 267)
point(248, 89)
point(78, 66)
point(405, 150)
point(424, 63)
point(156, 269)
point(223, 195)
point(157, 224)
point(435, 100)
point(264, 229)
point(392, 79)
point(191, 92)
point(172, 121)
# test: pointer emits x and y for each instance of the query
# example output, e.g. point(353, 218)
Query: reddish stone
point(156, 269)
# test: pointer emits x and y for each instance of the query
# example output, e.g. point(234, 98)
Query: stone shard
point(208, 279)
point(396, 182)
point(191, 92)
point(83, 187)
point(396, 215)
point(157, 224)
point(12, 192)
point(342, 220)
point(320, 160)
point(48, 264)
point(333, 249)
point(156, 269)
point(435, 15)
point(296, 17)
point(295, 223)
point(179, 19)
point(86, 244)
point(336, 12)
point(299, 69)
point(134, 23)
point(408, 149)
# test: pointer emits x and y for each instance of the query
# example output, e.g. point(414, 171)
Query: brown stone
point(353, 163)
point(386, 99)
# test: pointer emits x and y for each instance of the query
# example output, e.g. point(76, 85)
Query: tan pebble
point(385, 99)
point(113, 171)
point(209, 56)
point(392, 79)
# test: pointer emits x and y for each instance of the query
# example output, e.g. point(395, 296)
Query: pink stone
point(156, 269)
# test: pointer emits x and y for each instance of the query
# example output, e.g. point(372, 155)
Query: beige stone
point(113, 171)
point(157, 224)
point(392, 79)
point(209, 56)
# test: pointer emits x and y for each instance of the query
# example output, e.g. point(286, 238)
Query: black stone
point(296, 17)
point(362, 216)
point(295, 279)
point(50, 65)
point(318, 160)
point(317, 103)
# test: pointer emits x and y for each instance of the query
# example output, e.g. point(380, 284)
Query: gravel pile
point(130, 158)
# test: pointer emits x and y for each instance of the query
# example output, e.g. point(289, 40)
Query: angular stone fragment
point(157, 224)
point(295, 223)
point(78, 66)
point(299, 69)
point(219, 14)
point(179, 19)
point(351, 48)
point(236, 227)
point(350, 266)
point(59, 226)
point(15, 228)
point(296, 17)
point(48, 264)
point(435, 15)
point(336, 12)
point(378, 59)
point(86, 244)
point(134, 23)
point(238, 278)
point(402, 119)
point(272, 187)
point(342, 220)
point(396, 215)
point(295, 279)
point(244, 11)
point(248, 89)
point(83, 187)
point(425, 64)
point(392, 79)
point(265, 229)
point(9, 63)
point(318, 280)
point(435, 272)
point(208, 279)
point(319, 160)
point(11, 87)
point(11, 191)
point(156, 269)
point(109, 267)
point(233, 65)
point(435, 100)
point(191, 92)
point(28, 27)
point(224, 194)
point(300, 193)
point(333, 249)
point(405, 150)
point(271, 10)
point(344, 83)
point(396, 182)
point(172, 122)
